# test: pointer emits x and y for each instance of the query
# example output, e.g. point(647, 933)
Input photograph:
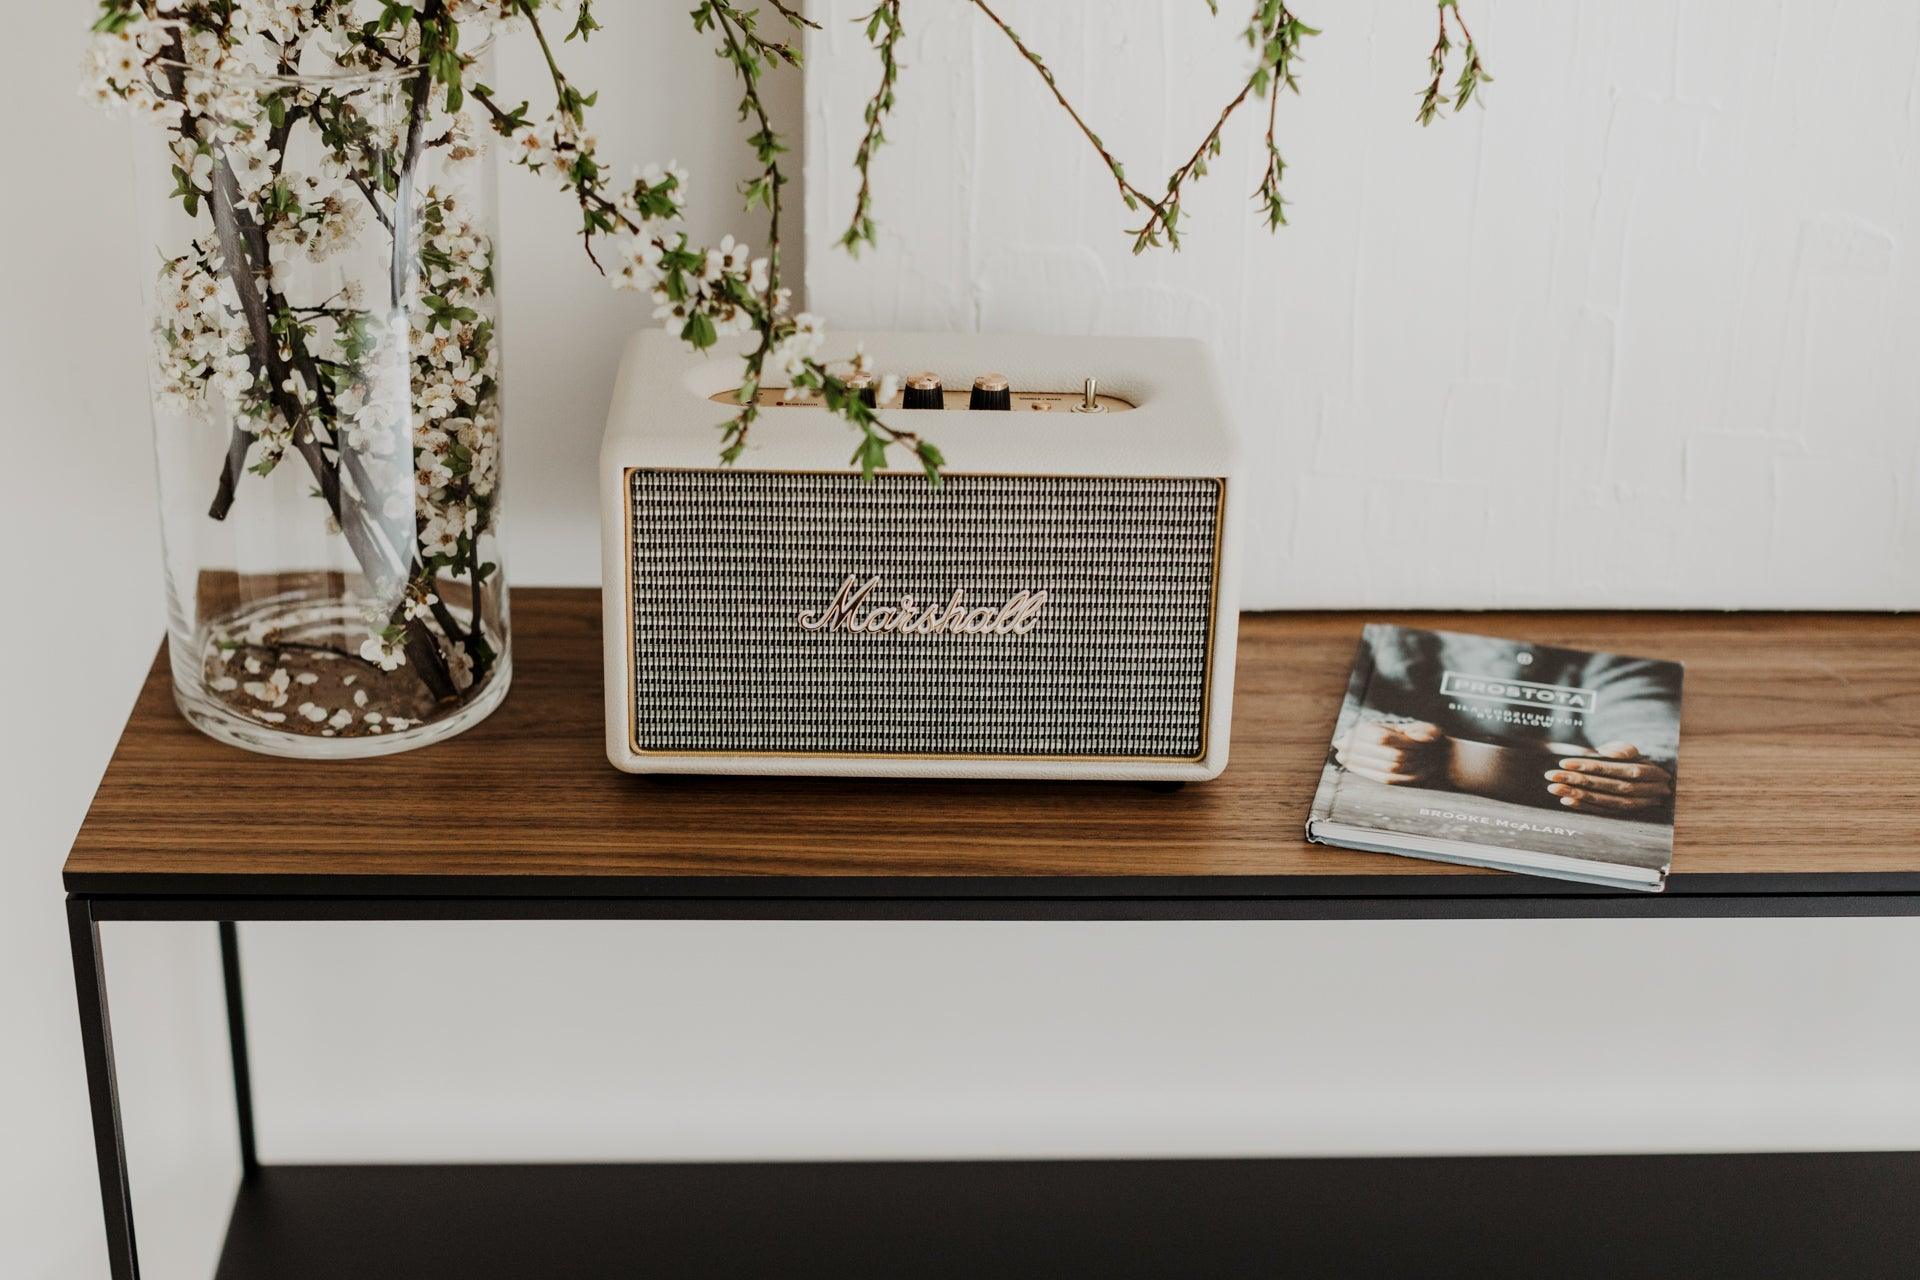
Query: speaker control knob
point(990, 391)
point(923, 391)
point(862, 383)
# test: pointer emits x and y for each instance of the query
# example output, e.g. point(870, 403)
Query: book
point(1495, 753)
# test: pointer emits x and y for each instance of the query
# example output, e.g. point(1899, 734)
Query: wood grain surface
point(1801, 754)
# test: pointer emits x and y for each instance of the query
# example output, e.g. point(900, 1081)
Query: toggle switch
point(1090, 399)
point(990, 391)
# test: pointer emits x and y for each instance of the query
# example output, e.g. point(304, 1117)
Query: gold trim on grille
point(1213, 626)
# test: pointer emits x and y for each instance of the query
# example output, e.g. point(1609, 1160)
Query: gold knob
point(990, 391)
point(861, 383)
point(923, 391)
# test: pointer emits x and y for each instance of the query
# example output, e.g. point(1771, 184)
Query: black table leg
point(96, 1042)
point(237, 1040)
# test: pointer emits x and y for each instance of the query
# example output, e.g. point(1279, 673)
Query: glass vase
point(326, 398)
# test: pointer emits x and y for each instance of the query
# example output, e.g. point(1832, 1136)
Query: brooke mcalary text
point(1455, 815)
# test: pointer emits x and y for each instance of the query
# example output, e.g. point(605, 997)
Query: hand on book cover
point(1613, 777)
point(1397, 754)
point(1621, 781)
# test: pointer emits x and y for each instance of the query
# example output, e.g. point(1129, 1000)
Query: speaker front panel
point(1026, 617)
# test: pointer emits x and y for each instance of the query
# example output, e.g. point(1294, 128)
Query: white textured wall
point(1641, 332)
point(83, 611)
point(609, 1040)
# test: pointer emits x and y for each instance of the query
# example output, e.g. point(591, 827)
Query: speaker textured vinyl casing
point(1063, 606)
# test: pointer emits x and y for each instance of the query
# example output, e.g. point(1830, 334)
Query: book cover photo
point(1496, 753)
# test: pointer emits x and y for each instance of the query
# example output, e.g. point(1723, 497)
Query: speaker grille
point(724, 562)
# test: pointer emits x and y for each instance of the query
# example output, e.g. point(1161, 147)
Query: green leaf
point(699, 331)
point(871, 455)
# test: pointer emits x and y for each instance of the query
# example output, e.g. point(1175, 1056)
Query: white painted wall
point(524, 1041)
point(84, 611)
point(1638, 333)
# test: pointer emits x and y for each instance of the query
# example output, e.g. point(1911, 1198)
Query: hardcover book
point(1494, 753)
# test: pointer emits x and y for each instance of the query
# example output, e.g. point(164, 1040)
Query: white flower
point(460, 666)
point(164, 111)
point(670, 314)
point(642, 268)
point(529, 147)
point(418, 604)
point(729, 259)
point(466, 431)
point(436, 400)
point(379, 651)
point(430, 476)
point(460, 381)
point(272, 690)
point(790, 356)
point(340, 222)
point(200, 343)
point(485, 472)
point(195, 163)
point(442, 348)
point(252, 164)
point(440, 538)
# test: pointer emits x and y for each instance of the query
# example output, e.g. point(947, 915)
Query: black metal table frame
point(880, 898)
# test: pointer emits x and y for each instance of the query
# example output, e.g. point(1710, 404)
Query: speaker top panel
point(1163, 412)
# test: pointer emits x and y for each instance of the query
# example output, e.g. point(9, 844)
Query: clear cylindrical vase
point(319, 266)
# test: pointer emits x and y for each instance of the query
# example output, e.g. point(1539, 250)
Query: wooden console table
point(1801, 797)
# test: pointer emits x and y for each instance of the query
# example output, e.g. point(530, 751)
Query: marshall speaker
point(1062, 606)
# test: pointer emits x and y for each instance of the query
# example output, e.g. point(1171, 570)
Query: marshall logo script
point(1018, 616)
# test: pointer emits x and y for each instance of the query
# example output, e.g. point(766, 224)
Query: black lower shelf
point(1749, 1216)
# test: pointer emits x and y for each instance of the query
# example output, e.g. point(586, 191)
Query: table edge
point(982, 889)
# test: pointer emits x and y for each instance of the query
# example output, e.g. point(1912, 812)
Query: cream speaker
point(1063, 605)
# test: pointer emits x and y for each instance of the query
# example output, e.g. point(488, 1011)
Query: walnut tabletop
point(1801, 777)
